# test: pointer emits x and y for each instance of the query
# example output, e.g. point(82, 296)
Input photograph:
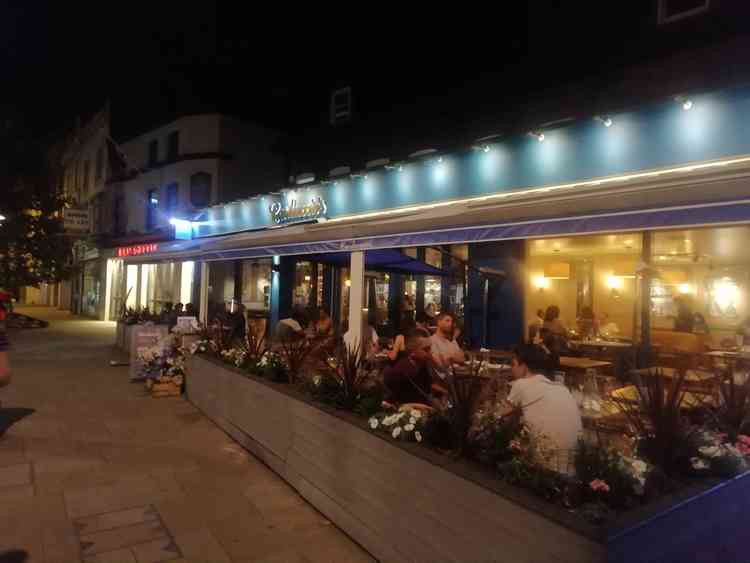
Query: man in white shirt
point(445, 350)
point(549, 409)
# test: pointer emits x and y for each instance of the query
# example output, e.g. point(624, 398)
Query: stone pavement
point(103, 473)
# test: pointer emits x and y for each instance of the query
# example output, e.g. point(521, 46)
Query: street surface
point(103, 473)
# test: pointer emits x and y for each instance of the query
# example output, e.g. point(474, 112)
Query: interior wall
point(618, 305)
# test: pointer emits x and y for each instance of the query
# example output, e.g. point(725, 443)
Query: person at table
point(370, 340)
point(588, 325)
point(235, 319)
point(191, 310)
point(398, 349)
point(549, 410)
point(291, 327)
point(684, 321)
point(445, 350)
point(535, 326)
point(431, 312)
point(408, 380)
point(700, 326)
point(608, 327)
point(422, 324)
point(552, 322)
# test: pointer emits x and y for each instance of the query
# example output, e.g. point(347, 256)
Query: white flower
point(709, 451)
point(316, 381)
point(412, 420)
point(639, 466)
point(396, 432)
point(409, 427)
point(418, 436)
point(415, 414)
point(373, 423)
point(698, 463)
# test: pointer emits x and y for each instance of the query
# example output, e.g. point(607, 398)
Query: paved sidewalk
point(103, 473)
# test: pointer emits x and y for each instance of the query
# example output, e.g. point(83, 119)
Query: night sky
point(155, 62)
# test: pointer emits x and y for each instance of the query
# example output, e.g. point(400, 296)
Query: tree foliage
point(33, 245)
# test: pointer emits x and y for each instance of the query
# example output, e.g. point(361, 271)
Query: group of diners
point(422, 358)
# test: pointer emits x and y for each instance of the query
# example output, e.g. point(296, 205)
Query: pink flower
point(744, 439)
point(599, 486)
point(515, 445)
point(743, 447)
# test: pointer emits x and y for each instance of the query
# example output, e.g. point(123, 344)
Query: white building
point(171, 172)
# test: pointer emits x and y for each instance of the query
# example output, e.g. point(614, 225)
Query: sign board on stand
point(76, 220)
point(142, 338)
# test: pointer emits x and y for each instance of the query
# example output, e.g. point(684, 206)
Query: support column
point(356, 294)
point(237, 281)
point(445, 281)
point(282, 288)
point(419, 301)
point(646, 278)
point(395, 301)
point(203, 306)
point(314, 285)
point(503, 307)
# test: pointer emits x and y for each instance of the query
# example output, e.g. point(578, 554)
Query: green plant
point(294, 352)
point(491, 441)
point(463, 391)
point(596, 462)
point(663, 434)
point(732, 414)
point(272, 367)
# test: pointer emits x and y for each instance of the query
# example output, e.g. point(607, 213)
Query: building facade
point(164, 177)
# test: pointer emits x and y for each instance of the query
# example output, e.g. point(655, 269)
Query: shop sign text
point(291, 211)
point(137, 249)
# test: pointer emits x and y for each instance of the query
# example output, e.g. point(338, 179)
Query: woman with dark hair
point(398, 350)
point(552, 321)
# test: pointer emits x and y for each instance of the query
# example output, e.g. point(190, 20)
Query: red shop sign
point(137, 249)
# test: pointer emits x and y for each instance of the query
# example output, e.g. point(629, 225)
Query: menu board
point(142, 337)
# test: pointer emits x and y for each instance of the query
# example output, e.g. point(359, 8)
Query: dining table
point(601, 344)
point(583, 363)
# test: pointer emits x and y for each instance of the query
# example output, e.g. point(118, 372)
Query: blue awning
point(381, 260)
point(684, 216)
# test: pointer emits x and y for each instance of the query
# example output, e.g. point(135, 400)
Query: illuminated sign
point(281, 213)
point(137, 249)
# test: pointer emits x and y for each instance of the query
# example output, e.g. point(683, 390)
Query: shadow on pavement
point(8, 417)
point(13, 556)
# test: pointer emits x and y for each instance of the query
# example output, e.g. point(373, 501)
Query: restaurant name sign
point(137, 249)
point(287, 213)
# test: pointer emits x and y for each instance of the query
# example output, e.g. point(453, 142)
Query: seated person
point(607, 327)
point(291, 327)
point(408, 380)
point(549, 410)
point(588, 325)
point(535, 326)
point(398, 350)
point(552, 322)
point(236, 322)
point(422, 324)
point(445, 350)
point(370, 339)
point(684, 321)
point(191, 311)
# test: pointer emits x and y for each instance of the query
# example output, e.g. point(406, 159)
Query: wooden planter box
point(403, 502)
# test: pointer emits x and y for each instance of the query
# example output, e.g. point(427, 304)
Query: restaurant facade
point(575, 216)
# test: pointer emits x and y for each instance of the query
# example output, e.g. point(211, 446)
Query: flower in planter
point(515, 445)
point(409, 427)
point(373, 423)
point(418, 436)
point(599, 486)
point(699, 464)
point(710, 451)
point(412, 420)
point(396, 432)
point(415, 414)
point(317, 381)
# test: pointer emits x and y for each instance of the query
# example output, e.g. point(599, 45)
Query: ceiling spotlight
point(685, 102)
point(440, 159)
point(486, 148)
point(538, 135)
point(605, 119)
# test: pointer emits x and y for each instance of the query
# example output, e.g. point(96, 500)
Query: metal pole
point(647, 276)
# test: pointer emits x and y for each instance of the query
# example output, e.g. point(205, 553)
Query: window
point(674, 10)
point(200, 189)
point(341, 105)
point(99, 163)
point(153, 152)
point(152, 205)
point(173, 145)
point(173, 192)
